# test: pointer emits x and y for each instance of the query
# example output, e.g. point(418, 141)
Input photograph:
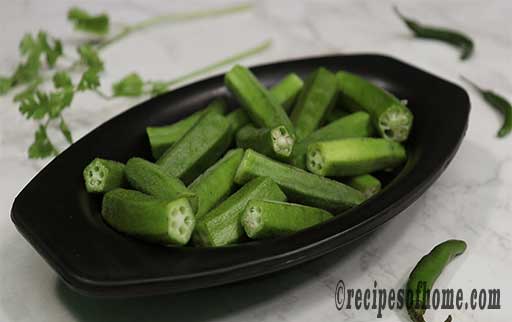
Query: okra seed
point(182, 209)
point(96, 168)
point(182, 230)
point(173, 224)
point(188, 221)
point(101, 174)
point(90, 173)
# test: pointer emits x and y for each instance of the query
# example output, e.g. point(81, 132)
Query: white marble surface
point(471, 201)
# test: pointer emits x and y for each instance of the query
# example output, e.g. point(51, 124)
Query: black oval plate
point(63, 222)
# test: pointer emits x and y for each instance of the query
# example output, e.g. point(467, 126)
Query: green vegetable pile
point(41, 62)
point(287, 159)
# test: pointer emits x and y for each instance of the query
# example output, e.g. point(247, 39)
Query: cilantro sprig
point(39, 64)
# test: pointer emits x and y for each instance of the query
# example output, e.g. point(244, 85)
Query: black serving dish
point(63, 222)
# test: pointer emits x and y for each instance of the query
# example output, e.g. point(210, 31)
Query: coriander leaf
point(62, 80)
point(27, 71)
point(52, 52)
point(90, 79)
point(89, 56)
point(158, 88)
point(28, 45)
point(5, 84)
point(130, 85)
point(42, 146)
point(64, 129)
point(35, 106)
point(28, 91)
point(58, 101)
point(84, 21)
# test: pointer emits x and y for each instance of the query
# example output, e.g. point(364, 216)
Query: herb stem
point(471, 83)
point(172, 18)
point(226, 61)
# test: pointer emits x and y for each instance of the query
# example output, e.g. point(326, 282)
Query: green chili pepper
point(426, 272)
point(498, 102)
point(452, 37)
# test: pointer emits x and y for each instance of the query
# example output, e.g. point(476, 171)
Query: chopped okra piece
point(149, 178)
point(366, 183)
point(163, 137)
point(354, 156)
point(221, 226)
point(103, 175)
point(275, 143)
point(216, 183)
point(267, 219)
point(299, 186)
point(198, 149)
point(149, 218)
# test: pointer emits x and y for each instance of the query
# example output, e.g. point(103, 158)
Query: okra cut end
point(252, 220)
point(181, 221)
point(395, 123)
point(315, 161)
point(103, 175)
point(282, 141)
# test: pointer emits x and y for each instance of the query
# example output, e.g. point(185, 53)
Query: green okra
point(275, 143)
point(354, 156)
point(163, 137)
point(357, 124)
point(149, 218)
point(426, 272)
point(267, 219)
point(151, 179)
point(237, 119)
point(221, 226)
point(314, 102)
point(366, 183)
point(299, 185)
point(198, 149)
point(287, 90)
point(284, 92)
point(391, 117)
point(263, 109)
point(449, 36)
point(103, 175)
point(216, 183)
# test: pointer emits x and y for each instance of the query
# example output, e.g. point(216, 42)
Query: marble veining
point(472, 200)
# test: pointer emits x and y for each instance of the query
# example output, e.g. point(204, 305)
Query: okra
point(103, 175)
point(221, 226)
point(299, 185)
point(163, 137)
point(357, 124)
point(284, 92)
point(267, 219)
point(366, 183)
point(216, 183)
point(237, 119)
point(263, 109)
point(198, 149)
point(275, 143)
point(391, 117)
point(149, 218)
point(287, 90)
point(354, 156)
point(314, 102)
point(149, 178)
